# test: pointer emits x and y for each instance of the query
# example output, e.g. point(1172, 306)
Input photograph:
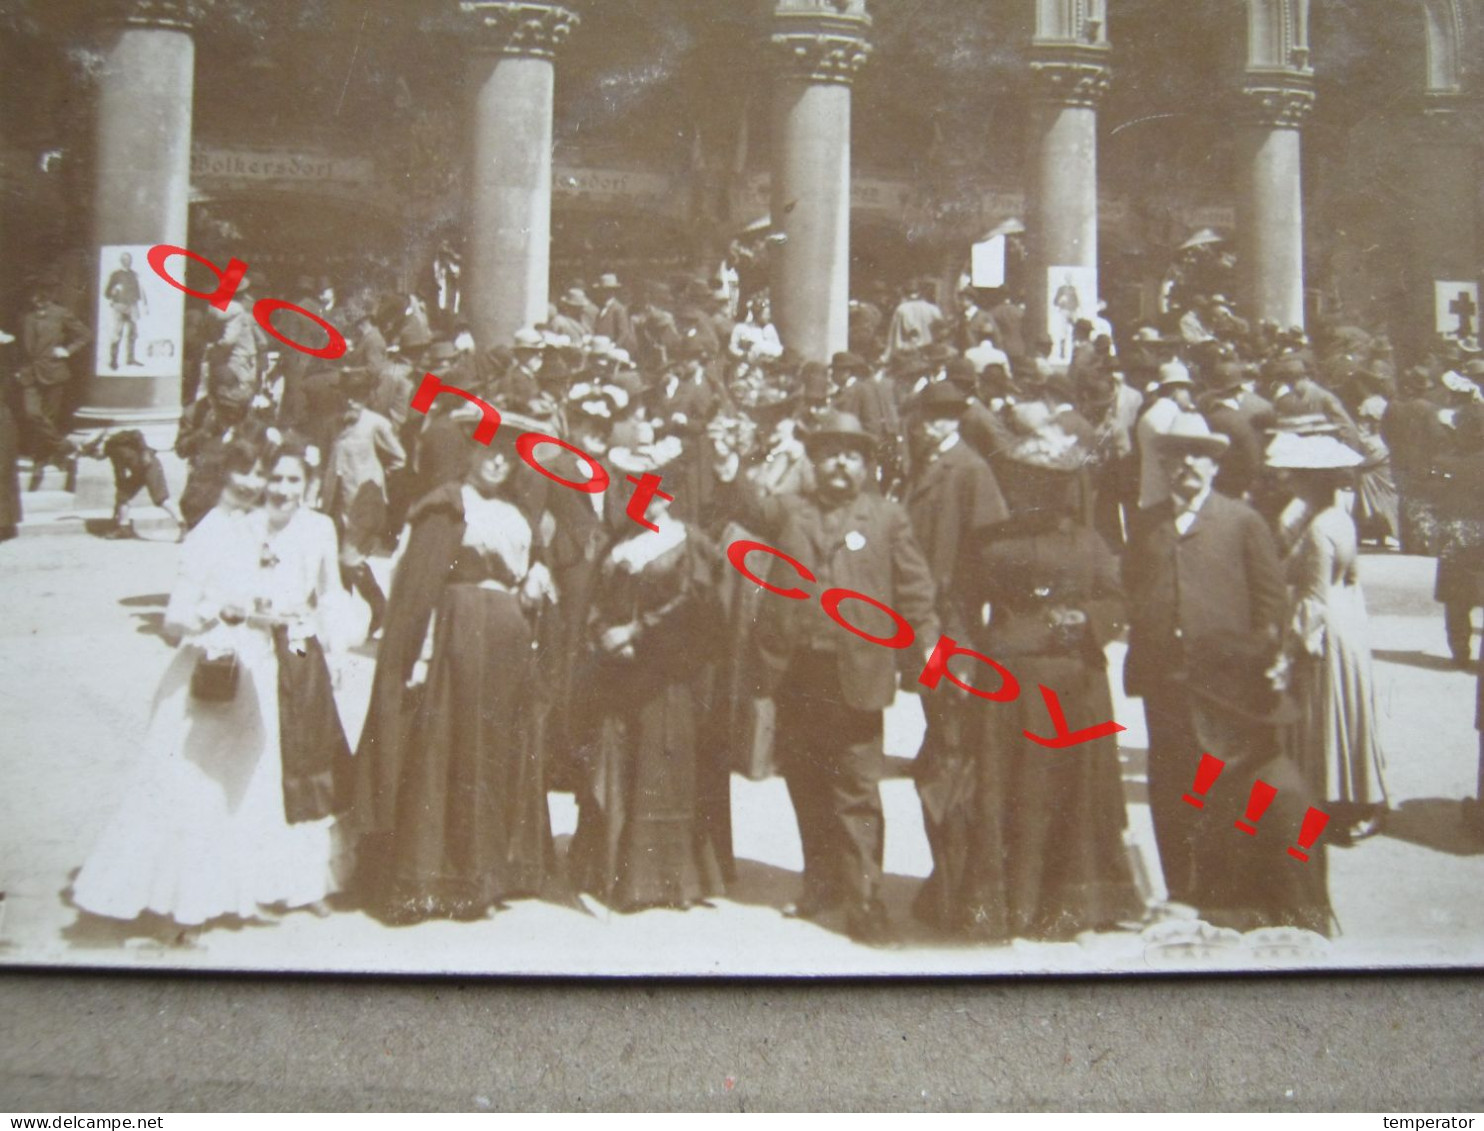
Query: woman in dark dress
point(448, 796)
point(1040, 852)
point(655, 807)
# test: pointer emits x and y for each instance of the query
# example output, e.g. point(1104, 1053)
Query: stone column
point(820, 45)
point(140, 198)
point(1270, 206)
point(1070, 74)
point(507, 254)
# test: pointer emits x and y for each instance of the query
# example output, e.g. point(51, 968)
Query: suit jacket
point(44, 330)
point(953, 502)
point(1222, 578)
point(865, 545)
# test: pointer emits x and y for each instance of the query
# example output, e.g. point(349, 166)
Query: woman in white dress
point(1338, 739)
point(225, 816)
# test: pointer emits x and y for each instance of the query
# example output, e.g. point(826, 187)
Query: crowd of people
point(1201, 481)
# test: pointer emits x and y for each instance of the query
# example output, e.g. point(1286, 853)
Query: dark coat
point(1243, 460)
point(42, 331)
point(1221, 578)
point(954, 501)
point(887, 566)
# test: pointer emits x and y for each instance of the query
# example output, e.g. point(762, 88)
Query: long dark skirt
point(1029, 842)
point(472, 826)
point(655, 822)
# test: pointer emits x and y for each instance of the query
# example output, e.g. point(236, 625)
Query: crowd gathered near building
point(1199, 482)
point(652, 521)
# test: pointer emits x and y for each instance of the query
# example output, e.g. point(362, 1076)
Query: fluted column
point(1277, 95)
point(1070, 75)
point(508, 232)
point(819, 46)
point(141, 198)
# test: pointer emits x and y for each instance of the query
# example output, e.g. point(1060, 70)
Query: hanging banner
point(987, 263)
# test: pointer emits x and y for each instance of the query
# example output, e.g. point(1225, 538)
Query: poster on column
point(1071, 293)
point(140, 320)
point(1456, 309)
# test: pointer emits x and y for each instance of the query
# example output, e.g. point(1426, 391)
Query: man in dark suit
point(1207, 602)
point(831, 664)
point(954, 502)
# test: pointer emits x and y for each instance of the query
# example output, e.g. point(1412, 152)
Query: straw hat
point(1295, 452)
point(1190, 432)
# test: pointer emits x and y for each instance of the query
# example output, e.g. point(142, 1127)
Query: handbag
point(215, 678)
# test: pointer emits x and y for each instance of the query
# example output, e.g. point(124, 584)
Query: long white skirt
point(201, 831)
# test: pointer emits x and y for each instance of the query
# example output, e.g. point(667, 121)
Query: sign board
point(257, 165)
point(140, 321)
point(987, 263)
point(1456, 309)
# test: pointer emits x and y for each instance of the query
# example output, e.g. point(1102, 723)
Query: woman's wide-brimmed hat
point(1189, 432)
point(1043, 443)
point(1310, 452)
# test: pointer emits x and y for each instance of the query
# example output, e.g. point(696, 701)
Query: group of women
point(250, 799)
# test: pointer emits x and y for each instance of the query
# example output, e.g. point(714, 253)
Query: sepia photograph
point(741, 488)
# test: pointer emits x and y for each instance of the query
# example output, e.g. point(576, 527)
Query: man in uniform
point(126, 300)
point(831, 682)
point(50, 334)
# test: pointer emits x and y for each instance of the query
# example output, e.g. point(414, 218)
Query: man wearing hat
point(831, 684)
point(1223, 412)
point(872, 399)
point(1173, 397)
point(1296, 393)
point(1206, 607)
point(612, 321)
point(954, 502)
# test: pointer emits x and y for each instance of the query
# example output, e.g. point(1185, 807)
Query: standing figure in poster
point(127, 302)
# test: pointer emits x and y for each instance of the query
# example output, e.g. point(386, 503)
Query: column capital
point(1279, 99)
point(526, 28)
point(821, 40)
point(180, 15)
point(1072, 74)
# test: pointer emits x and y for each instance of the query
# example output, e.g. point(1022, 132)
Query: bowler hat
point(849, 363)
point(942, 399)
point(839, 429)
point(607, 281)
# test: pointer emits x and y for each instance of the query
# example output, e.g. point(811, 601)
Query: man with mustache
point(831, 664)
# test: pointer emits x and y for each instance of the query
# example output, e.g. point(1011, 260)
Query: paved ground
point(80, 653)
